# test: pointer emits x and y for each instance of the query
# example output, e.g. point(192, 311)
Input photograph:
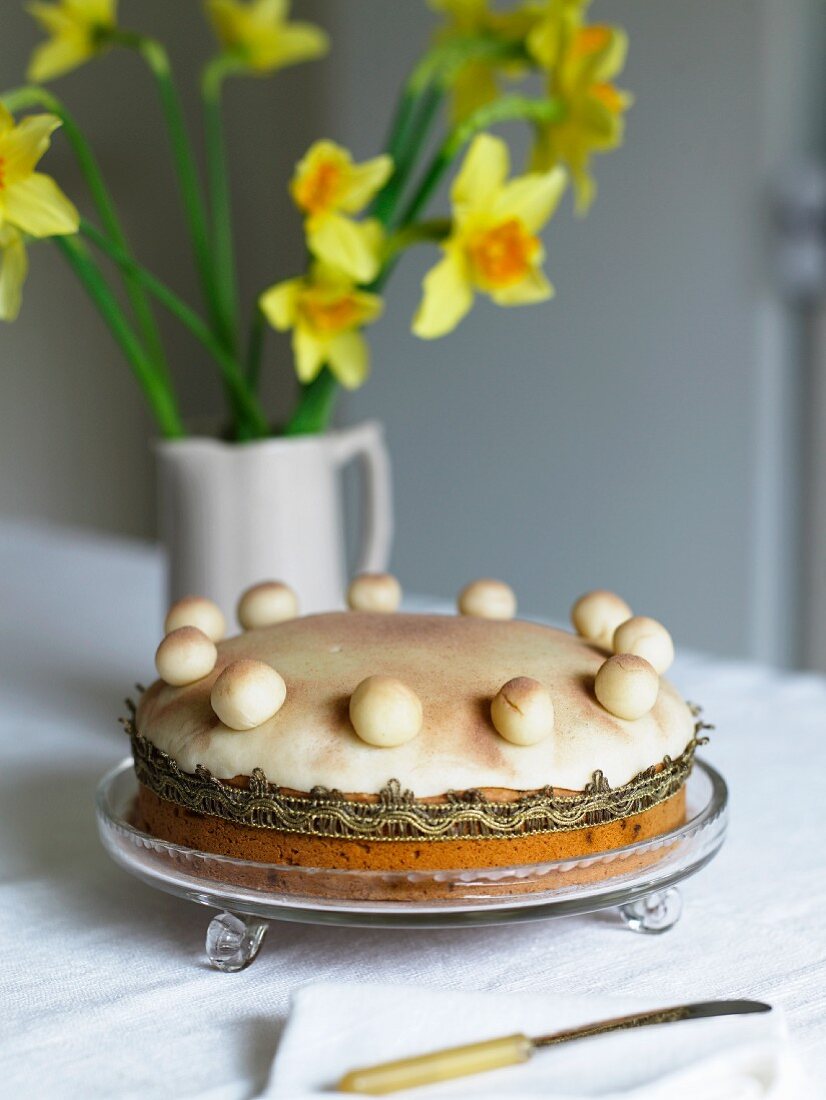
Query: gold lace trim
point(395, 813)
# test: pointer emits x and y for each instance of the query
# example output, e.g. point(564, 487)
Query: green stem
point(505, 109)
point(22, 98)
point(255, 348)
point(157, 392)
point(231, 372)
point(315, 406)
point(218, 176)
point(157, 59)
point(417, 233)
point(408, 143)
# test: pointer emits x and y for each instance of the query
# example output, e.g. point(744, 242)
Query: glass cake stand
point(640, 879)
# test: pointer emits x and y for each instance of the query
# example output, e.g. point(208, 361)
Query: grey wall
point(616, 437)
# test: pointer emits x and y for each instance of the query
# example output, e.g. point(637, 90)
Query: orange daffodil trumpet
point(328, 186)
point(30, 202)
point(493, 246)
point(77, 31)
point(325, 311)
point(588, 59)
point(258, 33)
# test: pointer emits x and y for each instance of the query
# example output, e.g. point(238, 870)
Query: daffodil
point(14, 265)
point(327, 186)
point(258, 33)
point(77, 31)
point(476, 82)
point(325, 311)
point(593, 120)
point(30, 201)
point(493, 246)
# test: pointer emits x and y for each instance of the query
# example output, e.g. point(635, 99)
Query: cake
point(377, 740)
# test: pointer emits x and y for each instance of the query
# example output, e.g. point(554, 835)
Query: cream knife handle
point(442, 1065)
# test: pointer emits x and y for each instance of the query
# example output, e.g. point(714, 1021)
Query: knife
point(510, 1050)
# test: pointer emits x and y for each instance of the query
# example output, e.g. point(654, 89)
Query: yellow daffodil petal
point(533, 288)
point(296, 42)
point(74, 27)
point(475, 86)
point(56, 57)
point(345, 244)
point(14, 266)
point(532, 198)
point(482, 174)
point(447, 298)
point(6, 119)
point(98, 12)
point(279, 304)
point(225, 16)
point(38, 207)
point(257, 32)
point(349, 359)
point(23, 146)
point(363, 181)
point(309, 353)
point(585, 189)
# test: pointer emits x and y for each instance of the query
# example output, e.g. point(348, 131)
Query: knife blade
point(698, 1011)
point(511, 1050)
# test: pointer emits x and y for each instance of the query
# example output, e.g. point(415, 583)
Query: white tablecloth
point(104, 990)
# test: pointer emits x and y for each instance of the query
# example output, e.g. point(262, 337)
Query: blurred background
point(658, 429)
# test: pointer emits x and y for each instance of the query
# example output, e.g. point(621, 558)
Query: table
point(103, 985)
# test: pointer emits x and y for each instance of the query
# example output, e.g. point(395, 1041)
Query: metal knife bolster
point(696, 1011)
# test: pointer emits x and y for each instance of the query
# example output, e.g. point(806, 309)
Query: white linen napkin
point(333, 1028)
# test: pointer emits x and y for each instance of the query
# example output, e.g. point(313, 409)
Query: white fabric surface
point(732, 1058)
point(104, 990)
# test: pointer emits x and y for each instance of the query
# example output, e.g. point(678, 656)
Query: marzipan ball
point(627, 686)
point(385, 712)
point(596, 616)
point(522, 711)
point(488, 599)
point(646, 638)
point(374, 592)
point(184, 656)
point(247, 693)
point(197, 611)
point(266, 604)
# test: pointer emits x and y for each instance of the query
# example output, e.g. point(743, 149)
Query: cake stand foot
point(232, 942)
point(654, 913)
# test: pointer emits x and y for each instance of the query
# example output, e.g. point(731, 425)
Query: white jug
point(232, 514)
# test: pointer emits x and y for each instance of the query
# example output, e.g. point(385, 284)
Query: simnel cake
point(374, 739)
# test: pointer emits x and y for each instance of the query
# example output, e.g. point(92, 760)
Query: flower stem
point(315, 406)
point(29, 96)
point(158, 394)
point(255, 419)
point(157, 59)
point(219, 193)
point(422, 109)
